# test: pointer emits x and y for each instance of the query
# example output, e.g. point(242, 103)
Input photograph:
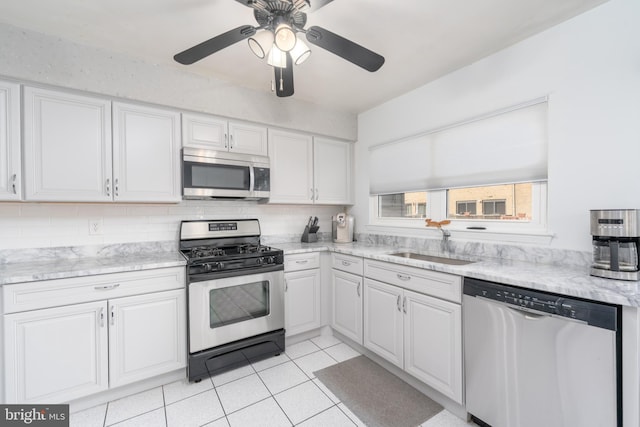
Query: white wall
point(27, 56)
point(31, 56)
point(590, 69)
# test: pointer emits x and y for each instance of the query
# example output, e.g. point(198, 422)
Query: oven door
point(232, 308)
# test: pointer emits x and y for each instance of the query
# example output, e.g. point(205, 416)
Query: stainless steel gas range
point(235, 295)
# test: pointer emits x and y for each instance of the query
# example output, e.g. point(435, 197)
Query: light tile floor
point(279, 391)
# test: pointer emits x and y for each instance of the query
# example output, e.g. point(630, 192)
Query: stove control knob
point(219, 266)
point(260, 260)
point(271, 260)
point(207, 267)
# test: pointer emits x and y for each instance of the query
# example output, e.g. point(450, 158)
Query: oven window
point(226, 177)
point(238, 303)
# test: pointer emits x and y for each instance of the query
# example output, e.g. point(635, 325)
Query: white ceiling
point(421, 40)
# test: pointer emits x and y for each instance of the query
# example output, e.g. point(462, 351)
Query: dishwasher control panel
point(591, 312)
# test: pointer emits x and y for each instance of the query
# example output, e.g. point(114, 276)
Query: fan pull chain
point(281, 81)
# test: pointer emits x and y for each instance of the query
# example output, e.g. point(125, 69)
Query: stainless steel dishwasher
point(538, 359)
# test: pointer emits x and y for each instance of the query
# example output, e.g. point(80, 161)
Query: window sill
point(413, 228)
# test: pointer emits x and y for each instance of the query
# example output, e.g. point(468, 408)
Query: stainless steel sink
point(432, 258)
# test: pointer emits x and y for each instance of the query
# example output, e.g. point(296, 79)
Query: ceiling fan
point(275, 37)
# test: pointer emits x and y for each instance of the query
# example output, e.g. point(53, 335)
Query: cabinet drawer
point(348, 263)
point(297, 262)
point(434, 283)
point(58, 292)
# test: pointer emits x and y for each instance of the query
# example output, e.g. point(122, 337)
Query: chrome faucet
point(444, 243)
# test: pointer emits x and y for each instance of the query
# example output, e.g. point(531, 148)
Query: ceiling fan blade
point(215, 44)
point(346, 49)
point(284, 79)
point(317, 4)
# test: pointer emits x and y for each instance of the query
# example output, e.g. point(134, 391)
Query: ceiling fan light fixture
point(300, 52)
point(277, 58)
point(260, 43)
point(285, 37)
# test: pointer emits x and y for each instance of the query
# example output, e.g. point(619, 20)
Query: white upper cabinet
point(10, 159)
point(291, 157)
point(70, 154)
point(332, 171)
point(214, 133)
point(146, 153)
point(308, 170)
point(67, 147)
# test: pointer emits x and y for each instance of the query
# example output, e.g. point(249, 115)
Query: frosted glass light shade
point(260, 43)
point(277, 58)
point(300, 52)
point(285, 37)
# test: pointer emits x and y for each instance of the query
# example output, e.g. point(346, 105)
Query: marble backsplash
point(469, 249)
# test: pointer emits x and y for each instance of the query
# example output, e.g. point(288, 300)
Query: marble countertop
point(565, 280)
point(19, 272)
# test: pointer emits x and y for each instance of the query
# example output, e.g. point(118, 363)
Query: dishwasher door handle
point(528, 314)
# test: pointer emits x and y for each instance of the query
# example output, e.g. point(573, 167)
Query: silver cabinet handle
point(108, 187)
point(346, 263)
point(358, 289)
point(403, 277)
point(112, 315)
point(115, 187)
point(106, 287)
point(404, 305)
point(312, 194)
point(316, 194)
point(398, 303)
point(226, 140)
point(231, 142)
point(286, 285)
point(14, 178)
point(302, 261)
point(101, 316)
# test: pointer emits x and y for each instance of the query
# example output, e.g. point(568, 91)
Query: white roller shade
point(500, 148)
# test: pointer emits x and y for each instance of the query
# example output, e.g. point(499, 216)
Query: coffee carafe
point(616, 236)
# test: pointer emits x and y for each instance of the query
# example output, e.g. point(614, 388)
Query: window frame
point(531, 231)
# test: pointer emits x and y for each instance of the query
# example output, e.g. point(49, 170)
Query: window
point(403, 205)
point(485, 173)
point(466, 208)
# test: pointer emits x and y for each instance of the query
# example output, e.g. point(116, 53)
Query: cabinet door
point(202, 131)
point(10, 159)
point(146, 153)
point(433, 343)
point(57, 354)
point(302, 301)
point(147, 336)
point(67, 147)
point(383, 321)
point(332, 171)
point(248, 138)
point(291, 157)
point(346, 318)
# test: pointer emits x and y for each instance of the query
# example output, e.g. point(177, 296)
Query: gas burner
point(206, 252)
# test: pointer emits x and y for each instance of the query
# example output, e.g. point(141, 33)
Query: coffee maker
point(616, 237)
point(342, 228)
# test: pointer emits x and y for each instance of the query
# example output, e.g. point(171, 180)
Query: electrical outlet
point(95, 227)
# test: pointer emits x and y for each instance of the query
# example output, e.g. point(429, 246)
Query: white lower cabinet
point(66, 352)
point(302, 297)
point(56, 354)
point(419, 333)
point(346, 295)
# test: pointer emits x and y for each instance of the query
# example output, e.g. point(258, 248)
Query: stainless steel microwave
point(220, 174)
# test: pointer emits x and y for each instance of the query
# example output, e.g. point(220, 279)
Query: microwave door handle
point(252, 179)
point(613, 249)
